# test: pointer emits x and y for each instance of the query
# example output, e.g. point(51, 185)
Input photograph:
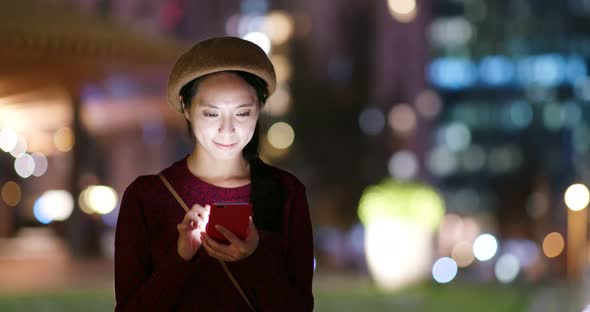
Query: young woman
point(164, 260)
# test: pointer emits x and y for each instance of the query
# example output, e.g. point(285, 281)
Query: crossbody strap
point(223, 264)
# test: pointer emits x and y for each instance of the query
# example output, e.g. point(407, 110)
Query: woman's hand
point(237, 249)
point(190, 229)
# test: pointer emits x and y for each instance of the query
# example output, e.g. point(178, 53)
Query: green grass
point(432, 297)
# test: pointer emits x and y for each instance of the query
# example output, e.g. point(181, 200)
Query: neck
point(201, 164)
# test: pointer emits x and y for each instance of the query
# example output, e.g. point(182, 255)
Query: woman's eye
point(206, 114)
point(244, 114)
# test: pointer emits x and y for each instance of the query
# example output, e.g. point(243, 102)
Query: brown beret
point(215, 55)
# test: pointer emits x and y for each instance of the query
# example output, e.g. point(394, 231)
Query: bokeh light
point(403, 10)
point(282, 67)
point(279, 102)
point(11, 193)
point(444, 270)
point(402, 118)
point(40, 164)
point(403, 165)
point(456, 136)
point(473, 158)
point(64, 139)
point(24, 165)
point(441, 161)
point(507, 268)
point(260, 39)
point(451, 31)
point(485, 247)
point(281, 135)
point(428, 104)
point(20, 148)
point(577, 197)
point(371, 121)
point(99, 199)
point(8, 139)
point(279, 27)
point(53, 205)
point(462, 253)
point(553, 245)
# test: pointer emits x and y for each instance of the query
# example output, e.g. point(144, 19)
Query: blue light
point(576, 69)
point(452, 73)
point(41, 213)
point(547, 70)
point(496, 70)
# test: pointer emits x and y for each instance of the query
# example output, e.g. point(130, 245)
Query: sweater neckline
point(207, 185)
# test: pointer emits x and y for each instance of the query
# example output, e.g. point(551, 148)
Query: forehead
point(225, 86)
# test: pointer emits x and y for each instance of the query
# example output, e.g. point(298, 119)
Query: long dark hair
point(267, 193)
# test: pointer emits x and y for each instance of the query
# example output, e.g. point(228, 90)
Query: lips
point(225, 146)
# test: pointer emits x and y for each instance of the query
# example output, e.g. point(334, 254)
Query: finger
point(215, 249)
point(231, 237)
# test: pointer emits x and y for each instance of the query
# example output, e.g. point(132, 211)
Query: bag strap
point(223, 264)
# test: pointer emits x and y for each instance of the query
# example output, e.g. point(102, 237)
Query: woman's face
point(223, 114)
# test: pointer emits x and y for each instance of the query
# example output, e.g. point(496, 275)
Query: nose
point(227, 125)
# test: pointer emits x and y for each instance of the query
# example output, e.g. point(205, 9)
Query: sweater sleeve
point(137, 286)
point(286, 286)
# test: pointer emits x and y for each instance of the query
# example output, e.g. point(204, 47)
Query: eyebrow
point(217, 107)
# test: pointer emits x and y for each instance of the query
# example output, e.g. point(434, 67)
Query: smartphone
point(233, 216)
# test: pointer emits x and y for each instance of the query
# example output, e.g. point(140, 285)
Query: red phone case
point(233, 216)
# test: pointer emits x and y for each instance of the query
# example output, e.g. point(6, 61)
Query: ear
point(184, 111)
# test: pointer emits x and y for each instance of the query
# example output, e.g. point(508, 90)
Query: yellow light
point(282, 67)
point(54, 205)
point(11, 193)
point(98, 199)
point(279, 27)
point(279, 103)
point(577, 197)
point(281, 135)
point(64, 139)
point(403, 10)
point(553, 245)
point(260, 39)
point(8, 139)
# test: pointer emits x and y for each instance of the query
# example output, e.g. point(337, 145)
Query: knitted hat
point(215, 55)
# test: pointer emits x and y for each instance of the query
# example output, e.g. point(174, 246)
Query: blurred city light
point(99, 199)
point(519, 115)
point(577, 197)
point(428, 104)
point(403, 10)
point(448, 32)
point(441, 161)
point(496, 70)
point(53, 205)
point(260, 39)
point(456, 136)
point(20, 148)
point(553, 244)
point(371, 121)
point(64, 139)
point(485, 247)
point(547, 70)
point(452, 73)
point(503, 159)
point(279, 27)
point(403, 165)
point(282, 67)
point(24, 165)
point(571, 114)
point(552, 119)
point(507, 268)
point(8, 139)
point(11, 193)
point(279, 102)
point(402, 118)
point(403, 217)
point(444, 270)
point(462, 253)
point(473, 158)
point(281, 135)
point(40, 164)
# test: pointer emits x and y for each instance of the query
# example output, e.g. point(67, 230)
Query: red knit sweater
point(151, 276)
